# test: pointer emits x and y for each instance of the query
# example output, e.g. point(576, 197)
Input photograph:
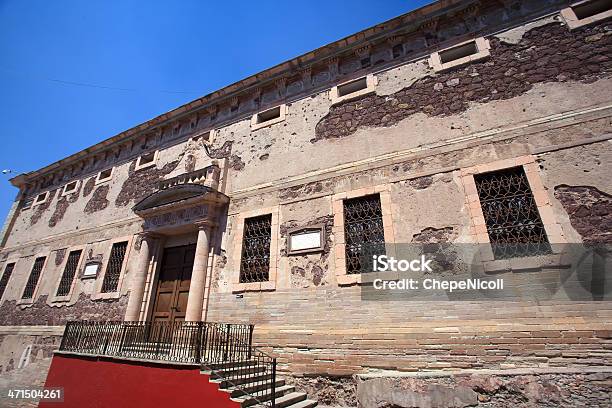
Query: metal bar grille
point(226, 350)
point(255, 259)
point(8, 271)
point(33, 279)
point(113, 270)
point(513, 223)
point(363, 232)
point(69, 272)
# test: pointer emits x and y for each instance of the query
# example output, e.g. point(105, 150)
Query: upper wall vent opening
point(269, 114)
point(591, 8)
point(458, 52)
point(268, 117)
point(353, 86)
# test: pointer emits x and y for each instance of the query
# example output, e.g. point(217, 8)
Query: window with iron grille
point(113, 269)
point(364, 234)
point(69, 271)
point(513, 222)
point(255, 257)
point(34, 277)
point(8, 271)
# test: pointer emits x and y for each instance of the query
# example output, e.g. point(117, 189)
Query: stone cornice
point(275, 78)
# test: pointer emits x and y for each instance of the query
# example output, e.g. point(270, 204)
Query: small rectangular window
point(27, 203)
point(69, 273)
point(104, 175)
point(460, 51)
point(364, 233)
point(70, 187)
point(511, 215)
point(460, 55)
point(353, 89)
point(8, 271)
point(591, 8)
point(269, 115)
point(255, 257)
point(114, 267)
point(41, 198)
point(146, 160)
point(30, 287)
point(353, 86)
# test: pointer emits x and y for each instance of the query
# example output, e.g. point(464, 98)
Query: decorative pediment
point(171, 195)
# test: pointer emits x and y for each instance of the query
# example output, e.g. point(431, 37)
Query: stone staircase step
point(250, 388)
point(288, 400)
point(238, 372)
point(241, 380)
point(264, 395)
point(230, 364)
point(304, 404)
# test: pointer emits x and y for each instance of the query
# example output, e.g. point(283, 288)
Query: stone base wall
point(25, 357)
point(332, 331)
point(567, 388)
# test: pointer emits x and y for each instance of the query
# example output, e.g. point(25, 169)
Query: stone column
point(139, 279)
point(195, 301)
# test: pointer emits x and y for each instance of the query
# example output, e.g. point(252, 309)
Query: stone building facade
point(409, 114)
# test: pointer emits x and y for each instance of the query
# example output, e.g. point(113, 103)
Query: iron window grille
point(363, 232)
point(255, 257)
point(8, 271)
point(113, 269)
point(511, 215)
point(69, 272)
point(30, 288)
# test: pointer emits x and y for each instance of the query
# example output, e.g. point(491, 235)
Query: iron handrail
point(241, 363)
point(225, 349)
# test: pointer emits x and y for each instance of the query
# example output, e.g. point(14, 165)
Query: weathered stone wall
point(545, 91)
point(24, 362)
point(489, 389)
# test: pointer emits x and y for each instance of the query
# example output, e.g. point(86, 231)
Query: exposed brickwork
point(141, 183)
point(89, 186)
point(542, 390)
point(421, 182)
point(434, 235)
point(236, 162)
point(221, 152)
point(40, 209)
point(590, 211)
point(40, 313)
point(550, 53)
point(62, 205)
point(59, 256)
point(98, 200)
point(333, 391)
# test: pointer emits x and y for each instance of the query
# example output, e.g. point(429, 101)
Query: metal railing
point(245, 368)
point(224, 349)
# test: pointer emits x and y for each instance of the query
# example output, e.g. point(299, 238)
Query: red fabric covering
point(98, 382)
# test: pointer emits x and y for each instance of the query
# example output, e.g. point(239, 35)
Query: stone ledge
point(508, 372)
point(33, 330)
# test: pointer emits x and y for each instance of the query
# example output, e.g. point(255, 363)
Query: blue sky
point(162, 54)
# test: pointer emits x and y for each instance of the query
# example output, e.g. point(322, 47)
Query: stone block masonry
point(550, 53)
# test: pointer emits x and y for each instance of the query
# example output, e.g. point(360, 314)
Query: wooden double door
point(173, 283)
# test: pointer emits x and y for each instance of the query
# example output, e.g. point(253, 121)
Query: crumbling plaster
point(582, 166)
